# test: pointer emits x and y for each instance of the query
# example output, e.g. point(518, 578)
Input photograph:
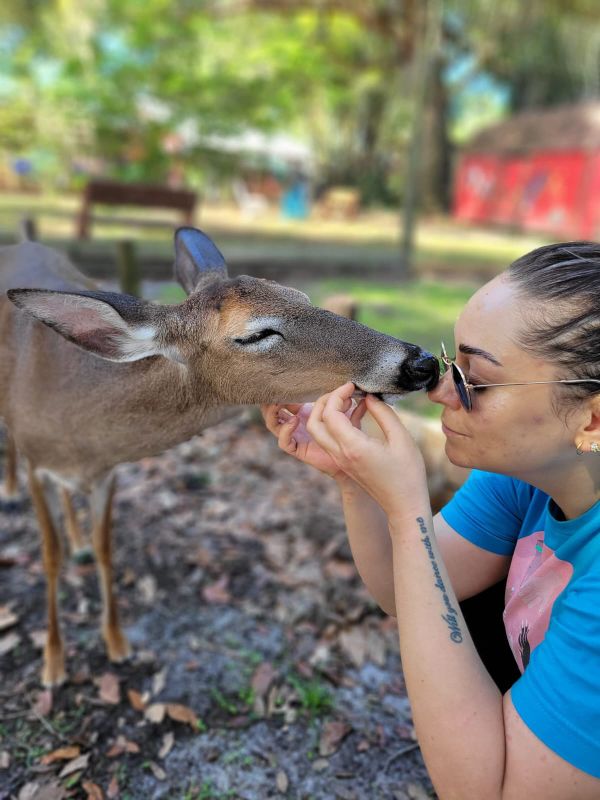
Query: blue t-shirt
point(552, 608)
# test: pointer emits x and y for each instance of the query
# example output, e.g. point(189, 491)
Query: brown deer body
point(127, 378)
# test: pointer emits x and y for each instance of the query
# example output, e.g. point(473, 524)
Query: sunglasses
point(464, 388)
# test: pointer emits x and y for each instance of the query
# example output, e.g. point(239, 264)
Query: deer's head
point(240, 340)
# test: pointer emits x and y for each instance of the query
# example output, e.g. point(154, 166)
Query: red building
point(537, 171)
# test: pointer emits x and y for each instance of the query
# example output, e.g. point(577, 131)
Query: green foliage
point(105, 83)
point(206, 791)
point(223, 702)
point(201, 726)
point(315, 699)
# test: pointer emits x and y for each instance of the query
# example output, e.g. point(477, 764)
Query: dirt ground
point(261, 668)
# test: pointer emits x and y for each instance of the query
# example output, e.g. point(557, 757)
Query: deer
point(90, 379)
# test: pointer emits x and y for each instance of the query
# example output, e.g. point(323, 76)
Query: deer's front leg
point(101, 506)
point(53, 672)
point(80, 550)
point(10, 475)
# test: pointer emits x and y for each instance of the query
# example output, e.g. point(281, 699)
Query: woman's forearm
point(369, 538)
point(456, 706)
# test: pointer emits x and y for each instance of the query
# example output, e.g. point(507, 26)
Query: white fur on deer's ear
point(196, 257)
point(117, 327)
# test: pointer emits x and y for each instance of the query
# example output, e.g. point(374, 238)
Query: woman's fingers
point(358, 413)
point(276, 414)
point(270, 416)
point(384, 415)
point(336, 420)
point(318, 430)
point(285, 439)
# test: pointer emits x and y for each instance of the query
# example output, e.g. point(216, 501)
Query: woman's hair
point(560, 287)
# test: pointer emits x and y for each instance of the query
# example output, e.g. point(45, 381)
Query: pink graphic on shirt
point(535, 580)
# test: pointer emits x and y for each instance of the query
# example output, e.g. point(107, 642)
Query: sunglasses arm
point(470, 386)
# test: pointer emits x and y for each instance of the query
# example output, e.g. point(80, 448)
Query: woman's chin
point(456, 457)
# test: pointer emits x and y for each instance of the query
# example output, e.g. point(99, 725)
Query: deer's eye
point(258, 336)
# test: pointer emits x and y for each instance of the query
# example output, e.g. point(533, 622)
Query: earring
point(595, 447)
point(578, 449)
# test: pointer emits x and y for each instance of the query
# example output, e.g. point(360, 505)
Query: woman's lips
point(449, 431)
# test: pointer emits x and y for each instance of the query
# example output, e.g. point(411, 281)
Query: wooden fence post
point(129, 273)
point(28, 230)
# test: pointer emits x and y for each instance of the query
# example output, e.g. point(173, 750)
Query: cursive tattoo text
point(451, 615)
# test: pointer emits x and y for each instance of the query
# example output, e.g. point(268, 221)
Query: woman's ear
point(588, 432)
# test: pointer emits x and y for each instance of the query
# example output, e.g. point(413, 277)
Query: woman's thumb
point(384, 416)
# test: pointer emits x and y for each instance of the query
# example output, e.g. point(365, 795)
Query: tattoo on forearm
point(451, 615)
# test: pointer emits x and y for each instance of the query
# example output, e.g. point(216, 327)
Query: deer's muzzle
point(420, 372)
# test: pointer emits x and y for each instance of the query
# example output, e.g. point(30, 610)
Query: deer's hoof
point(53, 672)
point(117, 646)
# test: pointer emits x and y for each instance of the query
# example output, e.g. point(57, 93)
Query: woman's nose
point(445, 392)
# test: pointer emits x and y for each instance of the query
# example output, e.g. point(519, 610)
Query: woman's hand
point(391, 470)
point(288, 424)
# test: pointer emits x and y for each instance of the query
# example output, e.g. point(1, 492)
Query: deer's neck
point(171, 405)
point(138, 411)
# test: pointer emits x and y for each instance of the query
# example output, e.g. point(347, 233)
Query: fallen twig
point(408, 749)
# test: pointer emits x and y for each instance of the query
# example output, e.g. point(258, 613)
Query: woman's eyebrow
point(476, 351)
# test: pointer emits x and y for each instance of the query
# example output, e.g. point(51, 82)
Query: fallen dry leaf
point(123, 745)
point(9, 642)
point(155, 713)
point(376, 647)
point(159, 681)
point(94, 792)
point(355, 644)
point(38, 638)
point(217, 592)
point(108, 688)
point(180, 713)
point(147, 586)
point(263, 678)
point(75, 765)
point(113, 790)
point(332, 734)
point(43, 703)
point(342, 570)
point(62, 754)
point(7, 617)
point(282, 782)
point(168, 741)
point(38, 791)
point(416, 791)
point(136, 700)
point(157, 771)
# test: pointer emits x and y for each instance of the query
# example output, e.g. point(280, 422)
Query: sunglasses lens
point(463, 392)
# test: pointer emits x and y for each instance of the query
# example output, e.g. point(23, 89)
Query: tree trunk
point(428, 45)
point(437, 152)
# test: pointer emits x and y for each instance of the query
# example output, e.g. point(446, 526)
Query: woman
point(521, 406)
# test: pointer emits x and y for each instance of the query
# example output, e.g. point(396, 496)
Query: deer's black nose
point(420, 372)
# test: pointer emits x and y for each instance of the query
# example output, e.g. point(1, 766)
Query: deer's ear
point(196, 257)
point(114, 326)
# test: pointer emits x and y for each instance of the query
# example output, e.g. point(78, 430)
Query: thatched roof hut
point(539, 171)
point(567, 127)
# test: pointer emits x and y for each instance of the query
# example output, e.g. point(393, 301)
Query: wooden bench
point(133, 194)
